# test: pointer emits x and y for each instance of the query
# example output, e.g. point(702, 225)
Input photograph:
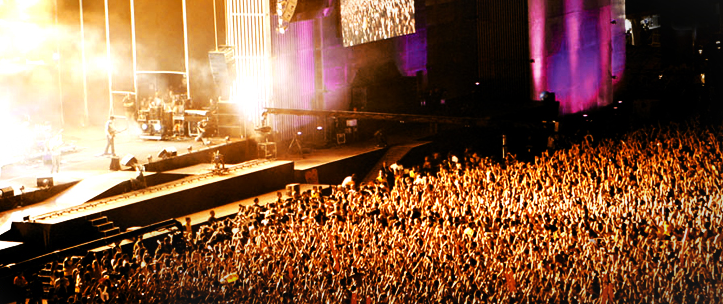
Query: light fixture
point(129, 160)
point(319, 128)
point(167, 153)
point(9, 191)
point(44, 182)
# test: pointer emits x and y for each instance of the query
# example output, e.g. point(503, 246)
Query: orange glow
point(25, 27)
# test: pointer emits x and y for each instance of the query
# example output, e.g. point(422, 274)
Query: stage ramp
point(91, 189)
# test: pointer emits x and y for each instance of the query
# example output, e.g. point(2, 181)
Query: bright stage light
point(103, 63)
point(248, 27)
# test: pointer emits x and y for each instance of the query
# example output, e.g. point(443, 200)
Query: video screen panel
point(364, 21)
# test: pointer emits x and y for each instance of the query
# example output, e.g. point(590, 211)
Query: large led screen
point(365, 21)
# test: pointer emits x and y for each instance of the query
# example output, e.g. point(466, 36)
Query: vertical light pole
point(215, 27)
point(133, 50)
point(56, 58)
point(85, 69)
point(185, 49)
point(108, 61)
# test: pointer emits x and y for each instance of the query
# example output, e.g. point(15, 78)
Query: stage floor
point(86, 159)
point(85, 162)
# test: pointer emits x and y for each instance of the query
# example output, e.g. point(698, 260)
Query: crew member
point(349, 182)
point(54, 145)
point(380, 138)
point(202, 130)
point(178, 118)
point(129, 103)
point(110, 133)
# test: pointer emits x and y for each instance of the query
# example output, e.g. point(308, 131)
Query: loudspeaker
point(115, 164)
point(293, 188)
point(547, 96)
point(288, 11)
point(222, 73)
point(46, 181)
point(129, 160)
point(7, 192)
point(168, 152)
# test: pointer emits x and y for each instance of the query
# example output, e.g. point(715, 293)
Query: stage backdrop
point(577, 50)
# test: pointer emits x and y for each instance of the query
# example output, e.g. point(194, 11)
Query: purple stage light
point(576, 51)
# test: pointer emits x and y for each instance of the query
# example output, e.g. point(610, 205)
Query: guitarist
point(110, 133)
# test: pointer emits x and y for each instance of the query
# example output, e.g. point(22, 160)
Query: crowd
point(371, 20)
point(635, 219)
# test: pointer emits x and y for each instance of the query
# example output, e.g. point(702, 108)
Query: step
point(104, 226)
point(111, 231)
point(99, 220)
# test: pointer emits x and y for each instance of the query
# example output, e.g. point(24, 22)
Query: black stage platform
point(90, 204)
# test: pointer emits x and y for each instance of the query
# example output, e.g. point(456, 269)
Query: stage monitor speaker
point(129, 160)
point(115, 164)
point(7, 192)
point(44, 181)
point(293, 188)
point(167, 153)
point(220, 70)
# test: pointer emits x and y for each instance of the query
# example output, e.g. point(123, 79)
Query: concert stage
point(96, 203)
point(205, 189)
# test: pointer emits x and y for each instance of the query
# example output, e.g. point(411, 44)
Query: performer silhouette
point(110, 133)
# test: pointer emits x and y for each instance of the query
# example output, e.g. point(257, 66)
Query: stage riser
point(42, 238)
point(32, 197)
point(151, 180)
point(201, 198)
point(333, 173)
point(233, 153)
